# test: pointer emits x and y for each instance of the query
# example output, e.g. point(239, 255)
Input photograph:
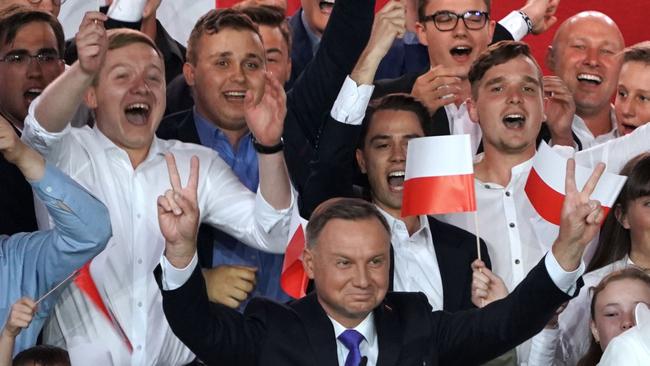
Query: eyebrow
point(26, 52)
point(123, 64)
point(500, 79)
point(274, 50)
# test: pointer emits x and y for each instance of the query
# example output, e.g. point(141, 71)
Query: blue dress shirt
point(226, 249)
point(33, 263)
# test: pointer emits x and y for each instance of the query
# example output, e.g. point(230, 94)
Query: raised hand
point(92, 42)
point(541, 13)
point(580, 218)
point(22, 313)
point(178, 214)
point(230, 285)
point(390, 22)
point(559, 108)
point(266, 118)
point(30, 163)
point(439, 86)
point(486, 286)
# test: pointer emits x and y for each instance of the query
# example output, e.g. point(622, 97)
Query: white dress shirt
point(587, 139)
point(123, 272)
point(461, 124)
point(416, 264)
point(173, 278)
point(516, 236)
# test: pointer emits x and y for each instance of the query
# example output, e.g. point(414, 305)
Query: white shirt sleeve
point(42, 140)
point(565, 281)
point(515, 24)
point(543, 345)
point(352, 101)
point(172, 277)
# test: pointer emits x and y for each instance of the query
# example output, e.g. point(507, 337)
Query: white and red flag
point(545, 184)
point(439, 176)
point(293, 279)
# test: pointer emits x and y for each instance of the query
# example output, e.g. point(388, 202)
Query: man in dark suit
point(31, 48)
point(351, 319)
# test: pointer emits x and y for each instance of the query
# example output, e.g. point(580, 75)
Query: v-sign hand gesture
point(580, 218)
point(178, 214)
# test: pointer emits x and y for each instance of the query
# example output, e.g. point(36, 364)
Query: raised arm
point(20, 316)
point(30, 163)
point(62, 97)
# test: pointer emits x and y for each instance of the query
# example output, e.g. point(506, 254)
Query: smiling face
point(632, 104)
point(228, 64)
point(614, 308)
point(349, 265)
point(278, 60)
point(585, 56)
point(383, 157)
point(509, 106)
point(317, 13)
point(129, 96)
point(460, 46)
point(24, 82)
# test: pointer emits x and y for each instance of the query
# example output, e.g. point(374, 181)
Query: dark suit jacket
point(409, 332)
point(16, 199)
point(332, 176)
point(316, 89)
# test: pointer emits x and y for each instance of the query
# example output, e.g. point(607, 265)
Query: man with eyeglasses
point(51, 6)
point(455, 33)
point(31, 43)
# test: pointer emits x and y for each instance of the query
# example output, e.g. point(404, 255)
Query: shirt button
point(139, 304)
point(48, 189)
point(139, 260)
point(512, 224)
point(487, 186)
point(517, 261)
point(507, 194)
point(138, 216)
point(139, 347)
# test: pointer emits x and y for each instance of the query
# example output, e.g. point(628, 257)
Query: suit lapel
point(445, 257)
point(318, 328)
point(389, 335)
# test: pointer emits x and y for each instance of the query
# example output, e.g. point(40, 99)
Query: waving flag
point(545, 184)
point(293, 278)
point(439, 176)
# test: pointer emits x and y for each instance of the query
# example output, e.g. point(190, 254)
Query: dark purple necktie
point(351, 340)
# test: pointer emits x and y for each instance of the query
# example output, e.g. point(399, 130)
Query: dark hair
point(615, 242)
point(639, 52)
point(43, 355)
point(422, 4)
point(593, 355)
point(397, 102)
point(14, 17)
point(270, 16)
point(213, 22)
point(352, 209)
point(497, 54)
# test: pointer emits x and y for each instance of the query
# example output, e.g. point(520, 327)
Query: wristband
point(264, 149)
point(529, 23)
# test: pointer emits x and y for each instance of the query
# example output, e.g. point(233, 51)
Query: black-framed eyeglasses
point(446, 20)
point(45, 58)
point(55, 2)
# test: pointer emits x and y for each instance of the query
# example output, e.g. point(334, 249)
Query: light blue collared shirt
point(33, 263)
point(227, 250)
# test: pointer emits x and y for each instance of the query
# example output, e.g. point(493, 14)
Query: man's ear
point(308, 262)
point(421, 31)
point(188, 73)
point(472, 110)
point(549, 60)
point(621, 217)
point(361, 161)
point(90, 97)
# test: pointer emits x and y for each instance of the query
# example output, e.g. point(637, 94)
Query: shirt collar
point(107, 145)
point(394, 223)
point(313, 38)
point(366, 328)
point(206, 130)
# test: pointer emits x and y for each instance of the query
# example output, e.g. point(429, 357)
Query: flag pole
point(478, 240)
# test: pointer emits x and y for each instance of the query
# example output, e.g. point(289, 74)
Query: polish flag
point(293, 278)
point(439, 176)
point(545, 184)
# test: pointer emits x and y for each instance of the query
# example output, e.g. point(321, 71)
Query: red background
point(630, 15)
